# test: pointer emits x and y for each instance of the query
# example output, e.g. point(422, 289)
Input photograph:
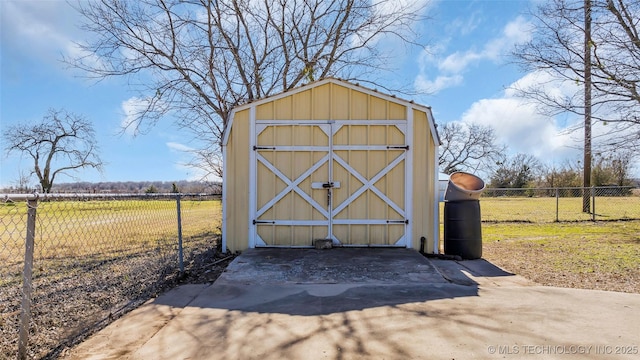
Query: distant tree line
point(125, 187)
point(474, 148)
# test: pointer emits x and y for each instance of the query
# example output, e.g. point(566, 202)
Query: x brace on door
point(331, 213)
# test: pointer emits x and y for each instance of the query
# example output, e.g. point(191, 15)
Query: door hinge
point(398, 147)
point(264, 147)
point(398, 221)
point(263, 222)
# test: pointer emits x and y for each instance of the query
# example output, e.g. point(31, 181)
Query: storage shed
point(330, 160)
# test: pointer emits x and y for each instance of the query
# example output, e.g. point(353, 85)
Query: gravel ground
point(72, 300)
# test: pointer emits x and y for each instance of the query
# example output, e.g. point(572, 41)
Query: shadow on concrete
point(314, 313)
point(313, 300)
point(309, 282)
point(456, 271)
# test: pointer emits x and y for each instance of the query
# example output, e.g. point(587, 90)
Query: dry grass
point(586, 255)
point(95, 260)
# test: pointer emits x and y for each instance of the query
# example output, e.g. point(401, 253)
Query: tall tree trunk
point(586, 179)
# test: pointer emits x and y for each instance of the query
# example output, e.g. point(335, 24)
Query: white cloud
point(387, 7)
point(174, 146)
point(384, 10)
point(132, 109)
point(44, 29)
point(45, 26)
point(454, 65)
point(519, 125)
point(458, 62)
point(465, 26)
point(425, 85)
point(546, 83)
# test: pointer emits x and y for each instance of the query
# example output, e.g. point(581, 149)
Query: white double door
point(343, 180)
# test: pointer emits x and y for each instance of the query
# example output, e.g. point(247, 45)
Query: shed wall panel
point(423, 181)
point(265, 111)
point(238, 183)
point(340, 103)
point(397, 111)
point(321, 102)
point(302, 105)
point(377, 108)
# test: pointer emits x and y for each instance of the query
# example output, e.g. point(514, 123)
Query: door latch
point(326, 185)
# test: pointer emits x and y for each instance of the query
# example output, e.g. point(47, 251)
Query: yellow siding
point(378, 108)
point(331, 101)
point(321, 102)
point(302, 105)
point(339, 102)
point(423, 181)
point(264, 111)
point(283, 108)
point(238, 183)
point(397, 111)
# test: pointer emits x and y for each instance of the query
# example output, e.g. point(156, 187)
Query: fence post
point(27, 276)
point(557, 204)
point(180, 254)
point(593, 202)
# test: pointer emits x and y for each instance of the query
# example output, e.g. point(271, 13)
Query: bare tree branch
point(556, 49)
point(469, 148)
point(60, 143)
point(198, 59)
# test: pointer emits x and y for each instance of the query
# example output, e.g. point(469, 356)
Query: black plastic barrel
point(462, 229)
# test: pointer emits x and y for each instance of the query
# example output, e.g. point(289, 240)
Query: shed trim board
point(224, 200)
point(342, 168)
point(252, 174)
point(408, 193)
point(436, 208)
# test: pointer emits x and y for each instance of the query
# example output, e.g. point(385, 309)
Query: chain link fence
point(543, 205)
point(69, 264)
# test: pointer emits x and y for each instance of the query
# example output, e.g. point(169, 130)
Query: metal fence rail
point(542, 205)
point(68, 263)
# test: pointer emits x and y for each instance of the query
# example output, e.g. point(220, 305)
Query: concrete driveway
point(371, 304)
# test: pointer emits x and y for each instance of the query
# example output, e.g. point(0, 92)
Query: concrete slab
point(331, 266)
point(369, 316)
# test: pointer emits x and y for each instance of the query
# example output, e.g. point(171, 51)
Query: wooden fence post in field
point(25, 313)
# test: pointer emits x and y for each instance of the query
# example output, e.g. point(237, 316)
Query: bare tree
point(469, 148)
point(596, 44)
point(612, 169)
point(198, 59)
point(519, 171)
point(558, 49)
point(59, 144)
point(567, 175)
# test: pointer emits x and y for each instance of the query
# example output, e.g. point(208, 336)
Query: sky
point(464, 74)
